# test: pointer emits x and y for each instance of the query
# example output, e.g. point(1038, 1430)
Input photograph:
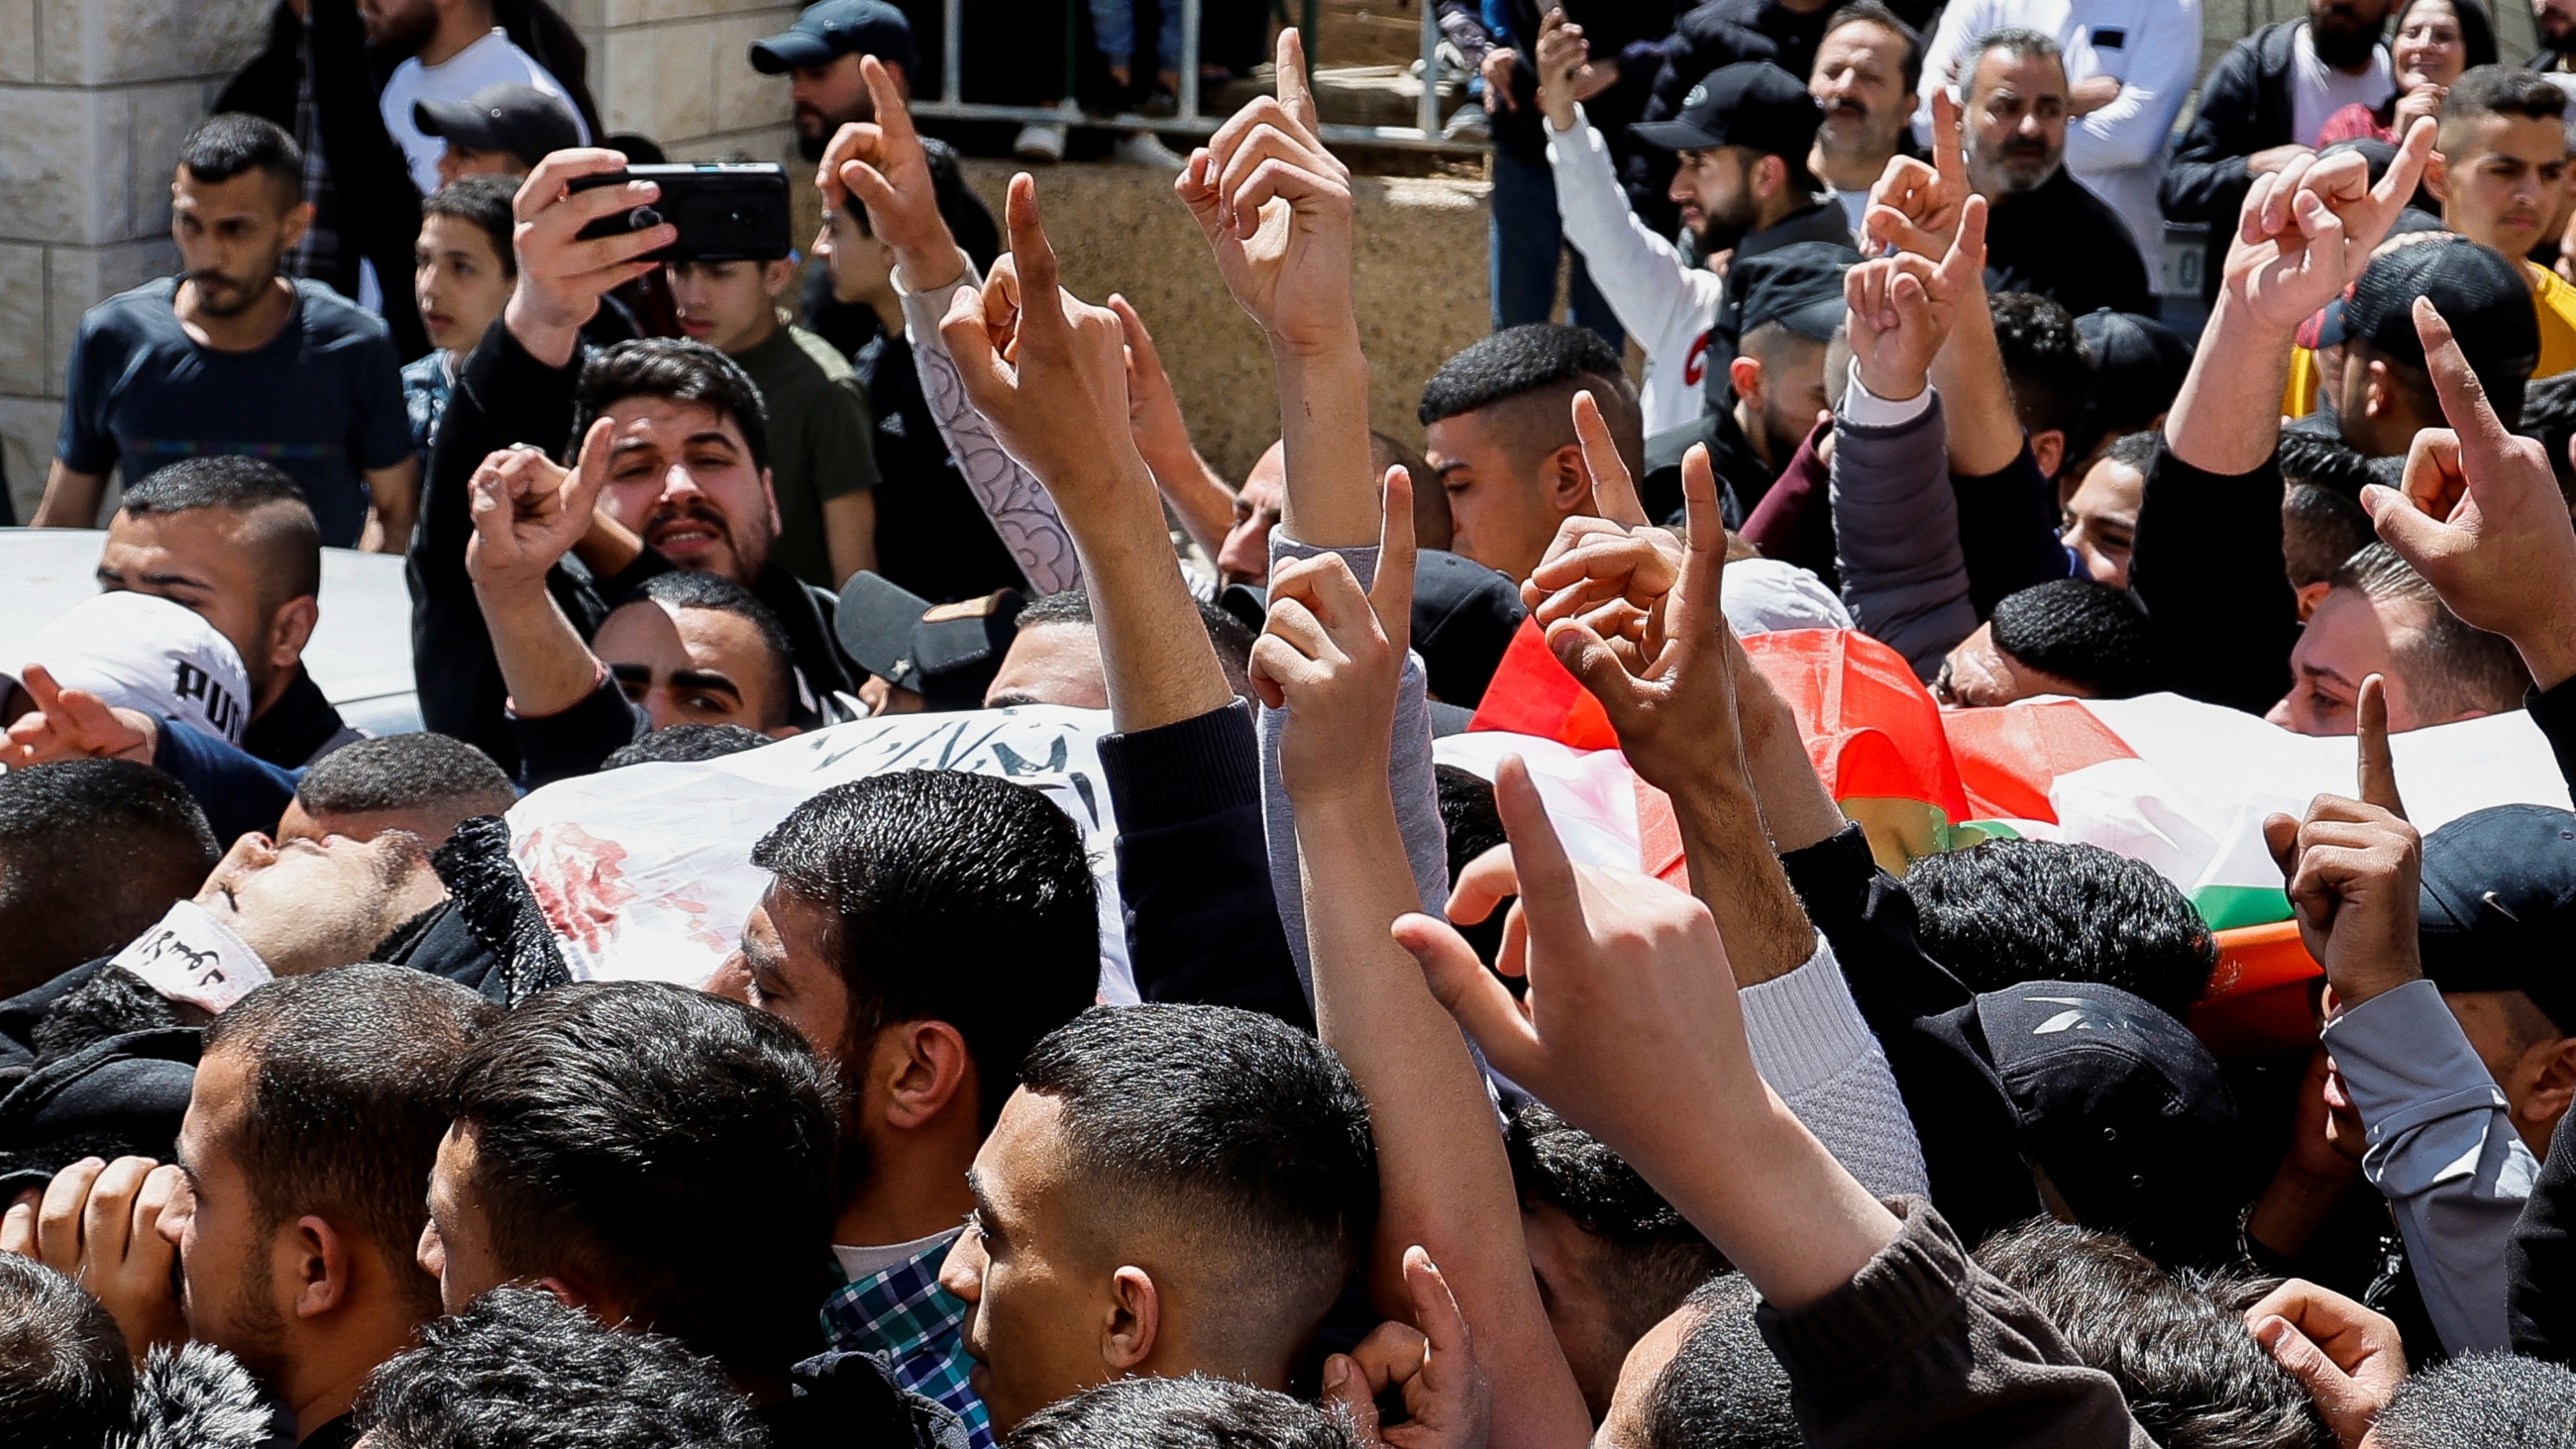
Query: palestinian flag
point(2180, 785)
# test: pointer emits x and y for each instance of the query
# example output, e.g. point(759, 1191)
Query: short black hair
point(1657, 1257)
point(2321, 529)
point(2047, 362)
point(2009, 911)
point(1538, 367)
point(92, 854)
point(1875, 12)
point(287, 534)
point(485, 202)
point(2549, 417)
point(616, 1122)
point(66, 1378)
point(697, 589)
point(1724, 1388)
point(686, 743)
point(2449, 666)
point(2134, 451)
point(348, 1099)
point(674, 369)
point(520, 1370)
point(226, 145)
point(405, 772)
point(1232, 1128)
point(1196, 1412)
point(1232, 637)
point(2089, 634)
point(2177, 1347)
point(2500, 90)
point(2017, 41)
point(955, 897)
point(1468, 815)
point(2481, 1401)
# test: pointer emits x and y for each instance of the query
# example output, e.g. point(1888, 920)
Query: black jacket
point(838, 1400)
point(2208, 569)
point(2063, 242)
point(2540, 1263)
point(2244, 108)
point(297, 730)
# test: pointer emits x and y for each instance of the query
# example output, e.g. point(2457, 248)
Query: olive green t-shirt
point(819, 448)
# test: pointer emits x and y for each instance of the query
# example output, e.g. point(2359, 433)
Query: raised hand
point(1331, 654)
point(2348, 1358)
point(99, 1224)
point(1276, 207)
point(1917, 207)
point(882, 164)
point(561, 276)
point(1046, 369)
point(1902, 307)
point(1610, 568)
point(1153, 408)
point(74, 724)
point(2307, 230)
point(2481, 518)
point(1563, 54)
point(1447, 1402)
point(529, 512)
point(2352, 868)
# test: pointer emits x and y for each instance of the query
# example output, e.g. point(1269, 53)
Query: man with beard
point(1866, 69)
point(687, 452)
point(2129, 66)
point(880, 887)
point(1743, 186)
point(2556, 21)
point(822, 53)
point(231, 357)
point(2045, 233)
point(457, 47)
point(2263, 106)
point(284, 1232)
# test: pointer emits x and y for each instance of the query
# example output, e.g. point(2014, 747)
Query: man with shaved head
point(232, 539)
point(1499, 435)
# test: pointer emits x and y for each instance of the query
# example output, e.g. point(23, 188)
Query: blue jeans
point(1525, 243)
point(1113, 23)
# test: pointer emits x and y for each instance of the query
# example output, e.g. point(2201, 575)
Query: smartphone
point(726, 211)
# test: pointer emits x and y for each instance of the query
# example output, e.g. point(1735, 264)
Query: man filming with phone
point(686, 475)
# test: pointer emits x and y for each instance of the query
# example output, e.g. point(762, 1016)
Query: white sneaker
point(1040, 143)
point(1144, 148)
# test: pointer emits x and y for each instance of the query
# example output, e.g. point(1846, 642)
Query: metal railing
point(1423, 135)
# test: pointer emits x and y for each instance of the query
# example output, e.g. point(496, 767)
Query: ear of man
point(925, 1072)
point(1132, 1323)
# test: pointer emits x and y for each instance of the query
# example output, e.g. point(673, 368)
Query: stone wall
point(94, 97)
point(675, 70)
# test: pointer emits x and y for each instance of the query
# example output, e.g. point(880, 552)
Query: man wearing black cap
point(822, 53)
point(1742, 141)
point(2048, 234)
point(501, 130)
point(462, 49)
point(1792, 305)
point(2386, 396)
point(2138, 366)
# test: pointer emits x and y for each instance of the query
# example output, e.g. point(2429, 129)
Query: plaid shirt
point(903, 1316)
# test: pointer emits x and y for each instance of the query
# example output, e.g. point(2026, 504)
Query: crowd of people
point(1365, 1102)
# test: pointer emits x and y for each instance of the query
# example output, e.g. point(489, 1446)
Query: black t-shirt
point(932, 536)
point(2062, 241)
point(322, 400)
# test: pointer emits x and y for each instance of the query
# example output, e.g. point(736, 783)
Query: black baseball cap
point(2478, 292)
point(2123, 1109)
point(1753, 104)
point(519, 119)
point(2138, 367)
point(1464, 616)
point(835, 28)
point(1799, 286)
point(2497, 907)
point(946, 653)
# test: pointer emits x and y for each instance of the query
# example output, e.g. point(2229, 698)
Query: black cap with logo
point(1753, 104)
point(519, 119)
point(2497, 907)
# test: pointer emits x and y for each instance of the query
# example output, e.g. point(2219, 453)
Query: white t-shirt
point(2318, 90)
point(867, 1262)
point(491, 61)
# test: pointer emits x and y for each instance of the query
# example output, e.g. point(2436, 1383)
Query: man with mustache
point(821, 52)
point(2262, 107)
point(2556, 21)
point(2045, 233)
point(1866, 69)
point(687, 464)
point(231, 357)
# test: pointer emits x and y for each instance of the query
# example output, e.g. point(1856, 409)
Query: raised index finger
point(2485, 445)
point(1390, 593)
point(894, 120)
point(1947, 157)
point(1549, 898)
point(1032, 257)
point(1613, 491)
point(1294, 93)
point(2378, 767)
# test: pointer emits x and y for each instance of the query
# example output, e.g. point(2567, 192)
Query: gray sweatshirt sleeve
point(1812, 1045)
point(1896, 534)
point(1011, 496)
point(2442, 1150)
point(1417, 801)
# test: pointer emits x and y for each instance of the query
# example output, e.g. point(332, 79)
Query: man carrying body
point(458, 50)
point(1743, 186)
point(2263, 106)
point(2045, 233)
point(231, 357)
point(822, 472)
